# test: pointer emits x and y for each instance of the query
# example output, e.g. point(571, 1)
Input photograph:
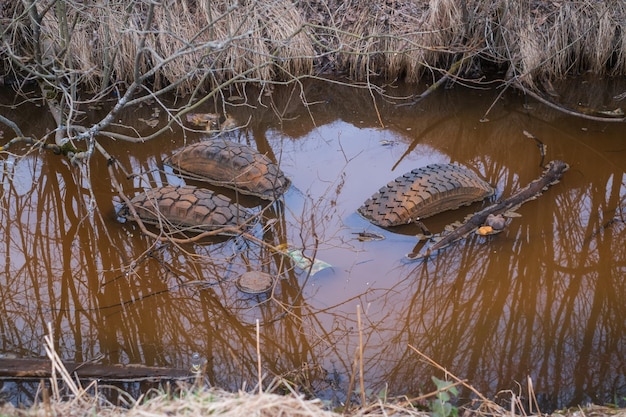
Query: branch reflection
point(542, 299)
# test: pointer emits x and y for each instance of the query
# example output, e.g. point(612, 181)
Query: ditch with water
point(543, 300)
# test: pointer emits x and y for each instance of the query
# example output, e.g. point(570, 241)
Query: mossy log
point(551, 175)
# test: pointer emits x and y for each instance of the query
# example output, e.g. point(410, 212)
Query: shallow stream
point(544, 299)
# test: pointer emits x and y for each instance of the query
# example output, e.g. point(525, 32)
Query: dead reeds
point(193, 44)
point(553, 42)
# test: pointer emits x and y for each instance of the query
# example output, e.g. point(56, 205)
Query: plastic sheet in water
point(305, 263)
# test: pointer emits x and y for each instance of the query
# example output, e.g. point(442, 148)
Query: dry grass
point(183, 403)
point(189, 43)
point(190, 401)
point(242, 404)
point(200, 44)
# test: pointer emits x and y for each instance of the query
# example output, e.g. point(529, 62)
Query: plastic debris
point(305, 263)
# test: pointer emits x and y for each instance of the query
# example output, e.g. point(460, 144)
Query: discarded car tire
point(186, 208)
point(424, 192)
point(233, 165)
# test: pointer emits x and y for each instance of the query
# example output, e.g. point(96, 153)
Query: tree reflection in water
point(543, 299)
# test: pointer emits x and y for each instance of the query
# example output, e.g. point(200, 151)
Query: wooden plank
point(41, 368)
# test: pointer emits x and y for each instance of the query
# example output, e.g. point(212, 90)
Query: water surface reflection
point(543, 299)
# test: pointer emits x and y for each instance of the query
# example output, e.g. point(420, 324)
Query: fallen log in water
point(552, 174)
point(41, 368)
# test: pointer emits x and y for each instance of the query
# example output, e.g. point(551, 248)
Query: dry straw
point(193, 44)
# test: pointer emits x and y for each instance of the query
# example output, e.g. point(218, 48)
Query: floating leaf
point(485, 230)
point(203, 119)
point(149, 122)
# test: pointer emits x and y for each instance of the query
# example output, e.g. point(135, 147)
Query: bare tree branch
point(12, 125)
point(564, 109)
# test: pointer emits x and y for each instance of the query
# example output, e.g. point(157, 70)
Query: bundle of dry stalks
point(193, 44)
point(389, 39)
point(190, 43)
point(555, 39)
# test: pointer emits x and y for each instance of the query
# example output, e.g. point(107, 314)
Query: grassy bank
point(204, 402)
point(192, 43)
point(63, 395)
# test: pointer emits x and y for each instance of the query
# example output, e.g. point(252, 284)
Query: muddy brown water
point(544, 299)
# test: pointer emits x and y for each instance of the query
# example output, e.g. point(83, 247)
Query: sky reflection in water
point(543, 299)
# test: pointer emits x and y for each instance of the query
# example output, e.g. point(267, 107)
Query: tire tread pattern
point(424, 192)
point(187, 207)
point(233, 165)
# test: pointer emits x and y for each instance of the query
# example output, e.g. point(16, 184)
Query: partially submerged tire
point(233, 165)
point(187, 208)
point(424, 192)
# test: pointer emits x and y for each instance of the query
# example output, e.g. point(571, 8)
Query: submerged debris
point(186, 208)
point(304, 262)
point(368, 236)
point(255, 282)
point(496, 221)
